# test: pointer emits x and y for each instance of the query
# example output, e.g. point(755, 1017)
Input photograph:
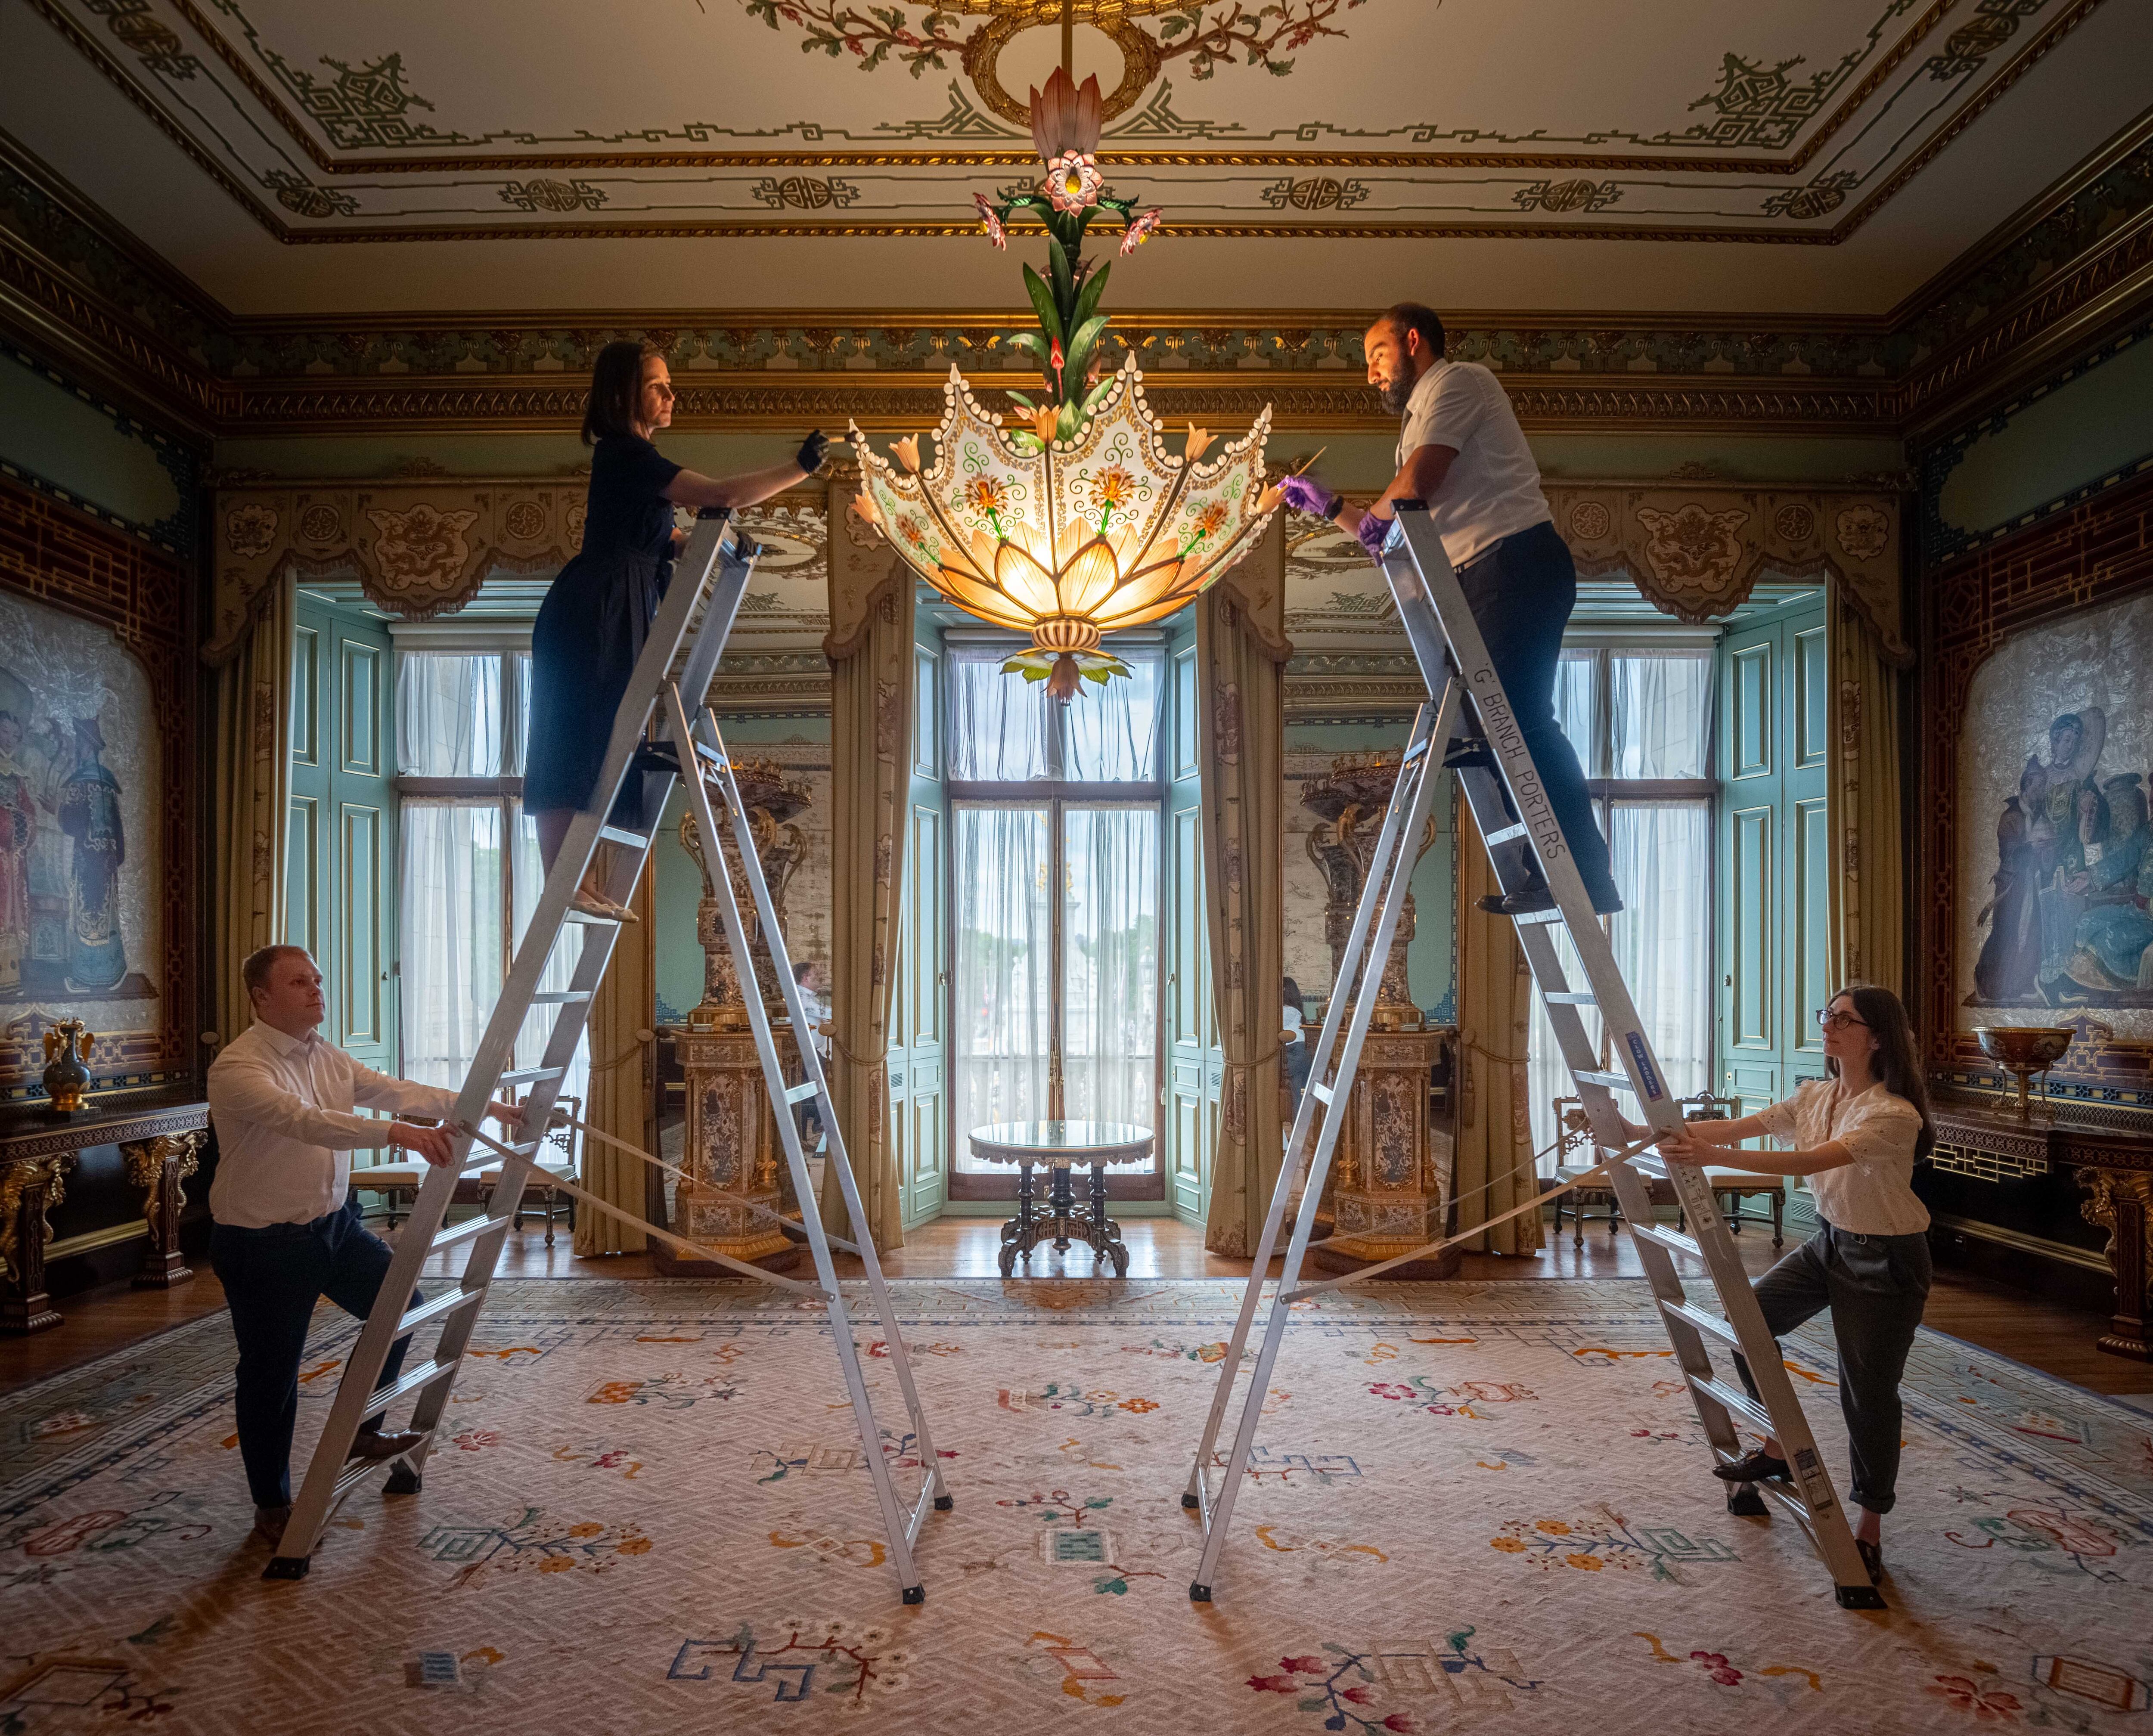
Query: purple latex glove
point(1305, 494)
point(1374, 532)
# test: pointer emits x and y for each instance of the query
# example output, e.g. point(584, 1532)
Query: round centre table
point(1058, 1147)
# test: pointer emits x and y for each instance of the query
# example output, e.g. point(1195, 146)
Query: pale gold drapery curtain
point(252, 801)
point(871, 671)
point(1493, 1168)
point(621, 1095)
point(1868, 912)
point(1241, 653)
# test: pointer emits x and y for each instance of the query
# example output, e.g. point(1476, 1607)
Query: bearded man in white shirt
point(287, 1232)
point(1462, 455)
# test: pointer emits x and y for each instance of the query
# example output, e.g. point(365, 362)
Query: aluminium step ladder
point(1516, 823)
point(674, 673)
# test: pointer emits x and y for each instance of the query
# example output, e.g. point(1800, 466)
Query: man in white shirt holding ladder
point(1461, 454)
point(287, 1232)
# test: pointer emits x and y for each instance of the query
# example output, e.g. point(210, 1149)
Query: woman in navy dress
point(591, 629)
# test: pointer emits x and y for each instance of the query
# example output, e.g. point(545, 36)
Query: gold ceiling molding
point(1698, 551)
point(418, 549)
point(902, 403)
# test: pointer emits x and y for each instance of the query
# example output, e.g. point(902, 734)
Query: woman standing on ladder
point(590, 629)
point(1856, 1136)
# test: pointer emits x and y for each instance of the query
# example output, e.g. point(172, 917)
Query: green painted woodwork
point(90, 453)
point(341, 866)
point(1772, 822)
point(919, 1017)
point(1195, 1063)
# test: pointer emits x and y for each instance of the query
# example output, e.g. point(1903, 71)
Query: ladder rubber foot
point(403, 1480)
point(1190, 1501)
point(287, 1567)
point(1745, 1503)
point(918, 1594)
point(1860, 1597)
point(1200, 1594)
point(944, 1504)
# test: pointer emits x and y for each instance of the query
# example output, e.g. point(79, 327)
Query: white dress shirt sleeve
point(244, 1089)
point(378, 1091)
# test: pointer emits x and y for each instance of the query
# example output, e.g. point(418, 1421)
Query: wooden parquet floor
point(2010, 1322)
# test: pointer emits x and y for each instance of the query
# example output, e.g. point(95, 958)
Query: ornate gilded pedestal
point(731, 1145)
point(160, 1167)
point(1389, 1189)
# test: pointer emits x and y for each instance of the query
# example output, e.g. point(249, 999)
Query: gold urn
point(2025, 1050)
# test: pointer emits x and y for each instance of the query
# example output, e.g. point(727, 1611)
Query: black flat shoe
point(1533, 899)
point(1753, 1467)
point(1872, 1558)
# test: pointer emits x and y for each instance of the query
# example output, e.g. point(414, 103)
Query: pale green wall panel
point(60, 438)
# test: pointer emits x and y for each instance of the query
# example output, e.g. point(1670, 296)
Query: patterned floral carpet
point(1472, 1506)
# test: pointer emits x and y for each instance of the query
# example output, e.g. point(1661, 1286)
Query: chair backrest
point(566, 1140)
point(1572, 1128)
point(1705, 1107)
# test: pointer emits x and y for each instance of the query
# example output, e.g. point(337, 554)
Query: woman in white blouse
point(1856, 1135)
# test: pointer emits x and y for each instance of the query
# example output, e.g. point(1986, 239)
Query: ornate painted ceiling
point(1688, 119)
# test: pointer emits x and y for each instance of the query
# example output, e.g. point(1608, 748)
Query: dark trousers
point(273, 1277)
point(1521, 593)
point(1875, 1286)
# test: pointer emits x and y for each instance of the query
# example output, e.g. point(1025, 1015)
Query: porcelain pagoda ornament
point(1083, 516)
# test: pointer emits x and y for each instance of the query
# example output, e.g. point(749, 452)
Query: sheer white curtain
point(1662, 938)
point(452, 926)
point(1005, 970)
point(448, 715)
point(1576, 676)
point(529, 881)
point(1661, 715)
point(998, 723)
point(1110, 966)
point(1112, 731)
point(1546, 1078)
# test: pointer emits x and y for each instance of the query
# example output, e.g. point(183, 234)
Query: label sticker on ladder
point(1647, 1076)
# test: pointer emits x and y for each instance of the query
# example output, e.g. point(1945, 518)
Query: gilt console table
point(160, 1135)
point(2107, 1150)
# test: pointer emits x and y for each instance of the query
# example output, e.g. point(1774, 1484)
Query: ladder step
point(801, 1093)
point(1710, 1323)
point(1554, 913)
point(1738, 1402)
point(1673, 1241)
point(412, 1380)
point(560, 997)
point(1571, 997)
point(622, 835)
point(469, 1229)
point(1321, 1093)
point(448, 1302)
point(531, 1075)
point(1613, 1081)
point(1509, 834)
point(587, 920)
point(1649, 1166)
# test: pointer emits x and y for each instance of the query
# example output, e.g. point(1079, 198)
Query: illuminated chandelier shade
point(1076, 520)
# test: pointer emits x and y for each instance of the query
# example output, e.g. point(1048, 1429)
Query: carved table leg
point(1106, 1233)
point(158, 1167)
point(1018, 1234)
point(1063, 1204)
point(28, 1191)
point(2121, 1201)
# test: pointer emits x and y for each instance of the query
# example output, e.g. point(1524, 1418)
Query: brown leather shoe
point(373, 1446)
point(269, 1522)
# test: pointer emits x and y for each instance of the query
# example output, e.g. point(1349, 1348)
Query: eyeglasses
point(1827, 1020)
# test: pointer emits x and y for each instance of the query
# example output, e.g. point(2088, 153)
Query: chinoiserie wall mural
point(2054, 869)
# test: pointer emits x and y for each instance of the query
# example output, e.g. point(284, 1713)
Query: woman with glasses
point(1857, 1136)
point(597, 614)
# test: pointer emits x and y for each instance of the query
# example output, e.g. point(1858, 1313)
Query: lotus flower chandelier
point(1070, 518)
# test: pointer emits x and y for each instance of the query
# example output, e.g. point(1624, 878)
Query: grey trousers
point(1875, 1286)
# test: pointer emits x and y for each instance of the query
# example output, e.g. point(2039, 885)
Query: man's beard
point(1395, 393)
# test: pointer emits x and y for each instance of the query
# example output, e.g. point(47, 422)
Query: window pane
point(1110, 966)
point(448, 714)
point(1574, 678)
point(1662, 703)
point(1004, 959)
point(521, 664)
point(452, 935)
point(560, 967)
point(998, 722)
point(1662, 864)
point(1113, 729)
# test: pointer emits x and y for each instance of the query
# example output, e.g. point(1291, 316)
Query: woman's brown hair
point(616, 389)
point(1897, 1063)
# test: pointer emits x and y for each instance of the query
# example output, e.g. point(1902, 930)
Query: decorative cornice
point(73, 287)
